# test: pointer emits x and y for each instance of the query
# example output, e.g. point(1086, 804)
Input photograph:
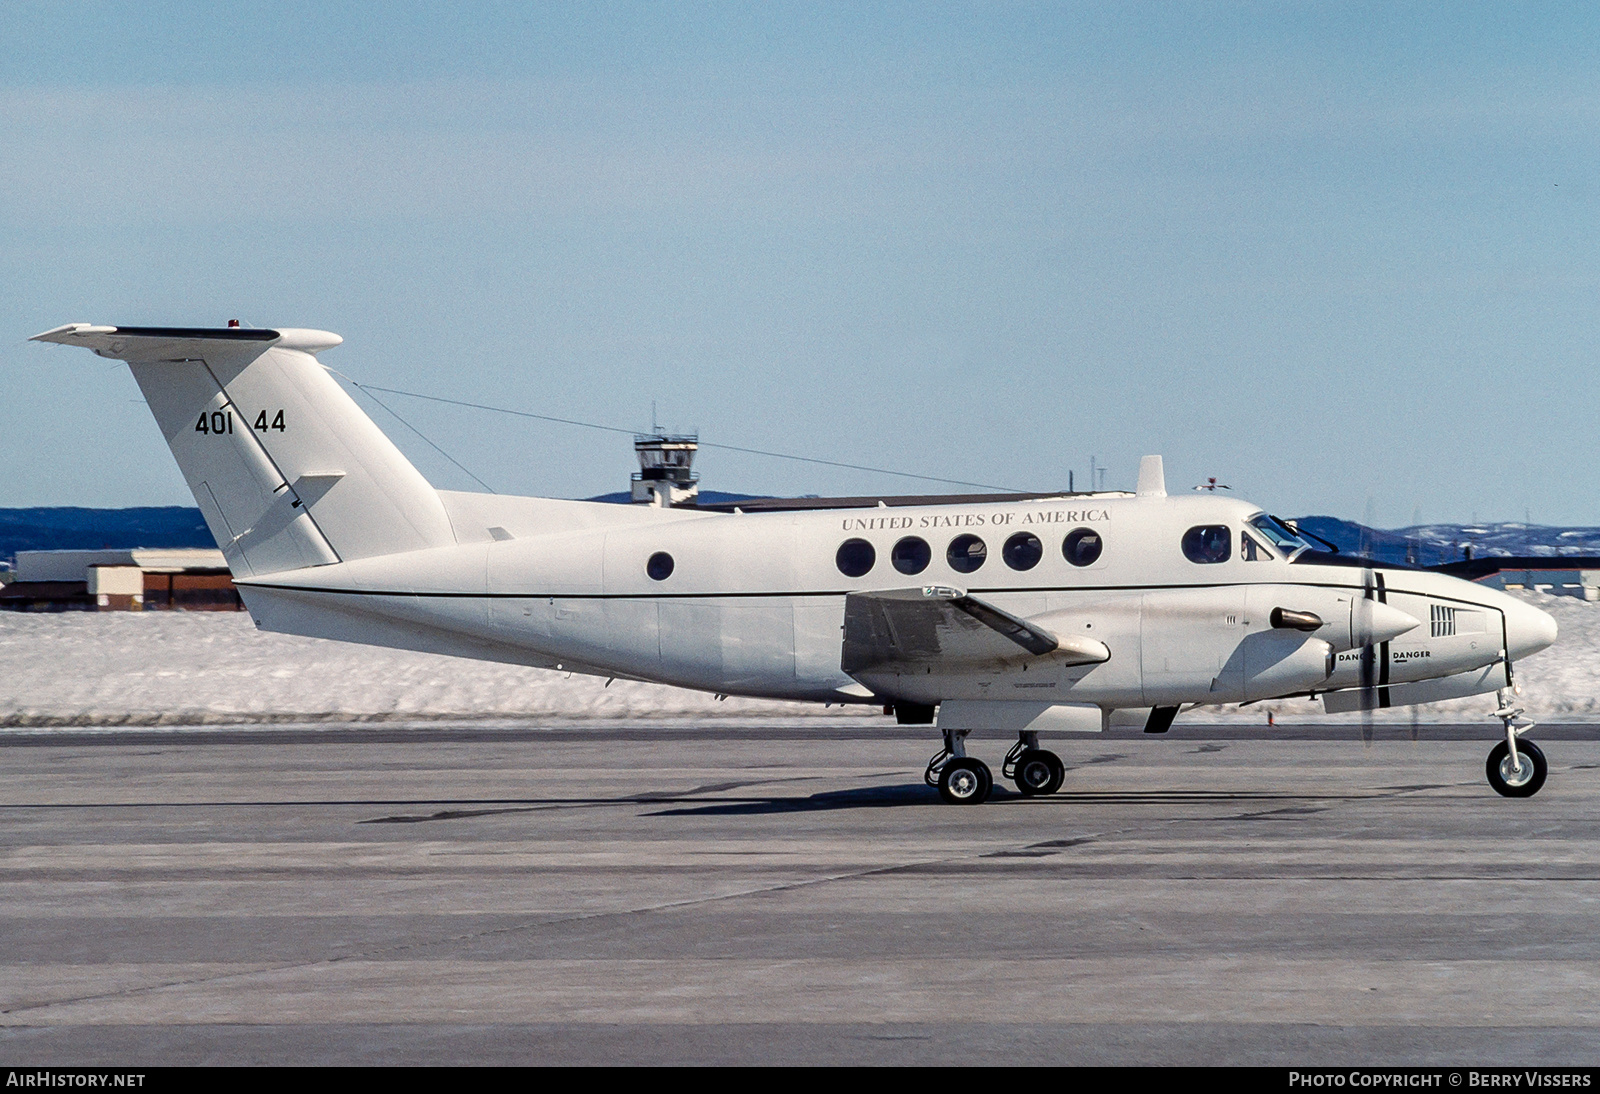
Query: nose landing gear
point(1515, 768)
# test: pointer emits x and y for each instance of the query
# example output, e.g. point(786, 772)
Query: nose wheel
point(1516, 768)
point(1518, 776)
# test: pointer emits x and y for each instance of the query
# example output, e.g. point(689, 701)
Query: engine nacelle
point(1282, 663)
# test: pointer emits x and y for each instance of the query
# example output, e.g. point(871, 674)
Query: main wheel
point(1039, 772)
point(1523, 781)
point(965, 781)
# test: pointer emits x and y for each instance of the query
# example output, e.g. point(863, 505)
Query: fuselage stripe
point(799, 593)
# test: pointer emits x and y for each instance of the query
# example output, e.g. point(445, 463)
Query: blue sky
point(1343, 257)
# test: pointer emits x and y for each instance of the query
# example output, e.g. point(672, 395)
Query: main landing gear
point(1516, 768)
point(961, 779)
point(1033, 769)
point(966, 780)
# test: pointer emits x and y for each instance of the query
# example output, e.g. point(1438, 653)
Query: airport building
point(1556, 582)
point(141, 579)
point(1577, 576)
point(666, 474)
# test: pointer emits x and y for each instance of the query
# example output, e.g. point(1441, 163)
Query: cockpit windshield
point(1279, 534)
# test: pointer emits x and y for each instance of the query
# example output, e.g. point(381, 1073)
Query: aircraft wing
point(938, 625)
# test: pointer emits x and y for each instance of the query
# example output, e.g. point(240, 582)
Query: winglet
point(1152, 478)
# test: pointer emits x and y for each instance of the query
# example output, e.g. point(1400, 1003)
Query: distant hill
point(1435, 544)
point(73, 529)
point(70, 528)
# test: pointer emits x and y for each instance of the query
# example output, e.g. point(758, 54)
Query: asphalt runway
point(495, 894)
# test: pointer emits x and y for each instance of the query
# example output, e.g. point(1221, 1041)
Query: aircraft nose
point(1528, 630)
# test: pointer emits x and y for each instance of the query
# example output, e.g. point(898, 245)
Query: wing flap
point(939, 625)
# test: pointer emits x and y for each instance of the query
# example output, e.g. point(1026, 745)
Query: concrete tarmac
point(516, 895)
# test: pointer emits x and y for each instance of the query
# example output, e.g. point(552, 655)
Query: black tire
point(965, 781)
point(1039, 772)
point(1507, 782)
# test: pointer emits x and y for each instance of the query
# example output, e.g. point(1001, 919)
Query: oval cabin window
point(855, 557)
point(659, 567)
point(911, 555)
point(966, 554)
point(1082, 546)
point(1208, 543)
point(1022, 551)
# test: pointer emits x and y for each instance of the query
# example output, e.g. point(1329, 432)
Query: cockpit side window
point(1208, 543)
point(1279, 535)
point(1252, 551)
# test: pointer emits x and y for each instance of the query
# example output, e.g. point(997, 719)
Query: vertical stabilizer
point(286, 468)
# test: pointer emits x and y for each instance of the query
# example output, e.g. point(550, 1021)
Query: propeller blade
point(1369, 669)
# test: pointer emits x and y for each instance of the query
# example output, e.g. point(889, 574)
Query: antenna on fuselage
point(1152, 478)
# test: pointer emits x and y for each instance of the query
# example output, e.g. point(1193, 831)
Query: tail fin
point(287, 469)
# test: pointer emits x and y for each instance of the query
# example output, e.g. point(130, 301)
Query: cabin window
point(659, 567)
point(966, 554)
point(855, 557)
point(1208, 543)
point(911, 555)
point(1251, 551)
point(1022, 551)
point(1082, 546)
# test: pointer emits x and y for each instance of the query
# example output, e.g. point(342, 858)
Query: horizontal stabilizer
point(184, 343)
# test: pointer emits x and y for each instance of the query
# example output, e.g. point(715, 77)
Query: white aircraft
point(1048, 613)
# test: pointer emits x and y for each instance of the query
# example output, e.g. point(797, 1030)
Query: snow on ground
point(185, 668)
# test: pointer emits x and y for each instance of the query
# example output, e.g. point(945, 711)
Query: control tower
point(666, 476)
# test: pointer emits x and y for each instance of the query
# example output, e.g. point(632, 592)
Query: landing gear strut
point(961, 779)
point(1516, 768)
point(1033, 769)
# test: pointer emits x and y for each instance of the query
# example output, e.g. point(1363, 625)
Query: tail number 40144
point(221, 421)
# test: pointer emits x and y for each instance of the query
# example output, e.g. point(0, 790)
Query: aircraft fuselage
point(754, 604)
